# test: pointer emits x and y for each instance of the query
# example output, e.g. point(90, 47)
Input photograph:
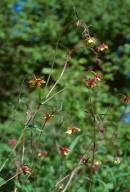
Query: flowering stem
point(93, 155)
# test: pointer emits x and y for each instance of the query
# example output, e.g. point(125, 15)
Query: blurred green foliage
point(28, 39)
point(29, 34)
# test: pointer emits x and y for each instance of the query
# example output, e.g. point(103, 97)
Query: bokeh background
point(29, 31)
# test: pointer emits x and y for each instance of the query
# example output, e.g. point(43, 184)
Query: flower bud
point(85, 159)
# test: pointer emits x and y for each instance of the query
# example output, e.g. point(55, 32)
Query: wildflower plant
point(48, 132)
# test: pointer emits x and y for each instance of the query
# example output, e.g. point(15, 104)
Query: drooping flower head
point(12, 142)
point(102, 129)
point(42, 153)
point(48, 117)
point(126, 99)
point(91, 40)
point(72, 129)
point(85, 159)
point(98, 76)
point(117, 160)
point(97, 162)
point(26, 170)
point(60, 185)
point(65, 151)
point(102, 47)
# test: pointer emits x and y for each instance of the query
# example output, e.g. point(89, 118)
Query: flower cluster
point(90, 41)
point(92, 82)
point(69, 131)
point(93, 40)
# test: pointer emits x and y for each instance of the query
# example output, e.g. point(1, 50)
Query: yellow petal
point(69, 131)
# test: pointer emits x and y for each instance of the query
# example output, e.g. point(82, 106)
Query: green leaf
point(110, 186)
point(1, 180)
point(104, 184)
point(122, 175)
point(74, 143)
point(83, 60)
point(39, 130)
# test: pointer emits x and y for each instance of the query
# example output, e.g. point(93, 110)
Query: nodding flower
point(97, 162)
point(126, 99)
point(12, 142)
point(72, 129)
point(47, 117)
point(102, 47)
point(42, 153)
point(117, 160)
point(91, 40)
point(65, 151)
point(85, 159)
point(26, 170)
point(36, 82)
point(98, 76)
point(102, 129)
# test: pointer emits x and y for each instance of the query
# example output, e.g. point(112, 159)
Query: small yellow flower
point(91, 40)
point(97, 162)
point(72, 129)
point(36, 82)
